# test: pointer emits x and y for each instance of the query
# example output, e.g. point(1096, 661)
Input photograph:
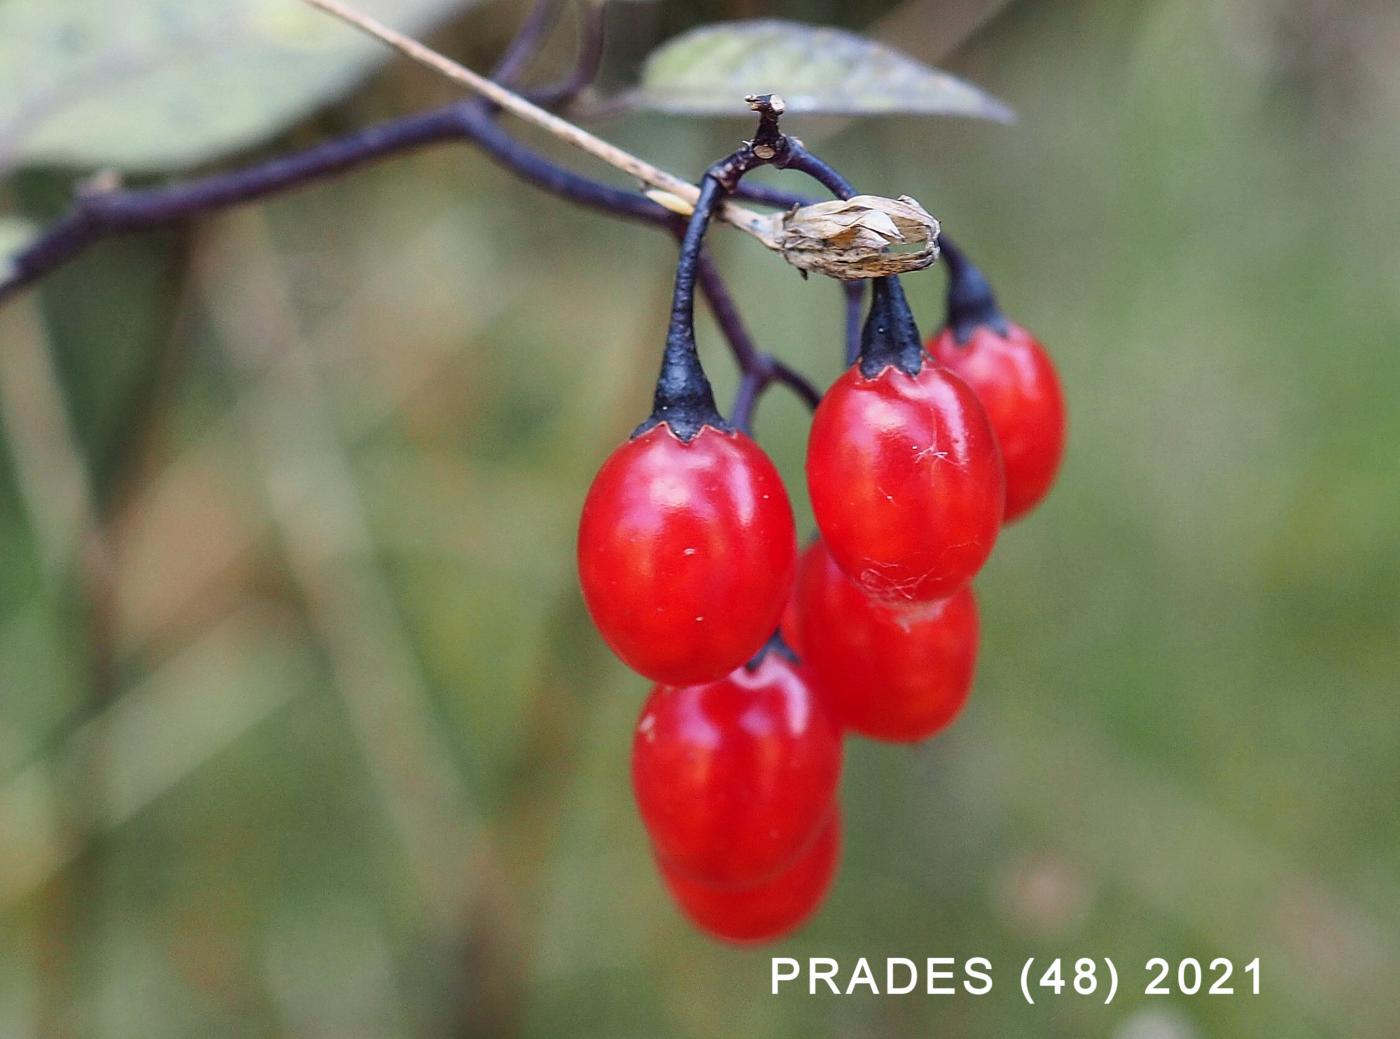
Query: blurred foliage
point(322, 458)
point(150, 84)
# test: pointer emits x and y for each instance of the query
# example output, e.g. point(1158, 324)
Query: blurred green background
point(304, 731)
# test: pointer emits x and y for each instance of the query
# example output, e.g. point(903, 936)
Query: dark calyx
point(890, 336)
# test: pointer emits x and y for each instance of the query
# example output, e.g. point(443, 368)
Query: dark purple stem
point(971, 301)
point(759, 369)
point(592, 36)
point(684, 399)
point(751, 385)
point(765, 195)
point(726, 314)
point(800, 159)
point(797, 382)
point(528, 40)
point(96, 215)
point(100, 214)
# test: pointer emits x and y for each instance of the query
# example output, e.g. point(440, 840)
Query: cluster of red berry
point(918, 454)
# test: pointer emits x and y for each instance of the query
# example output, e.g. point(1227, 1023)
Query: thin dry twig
point(760, 225)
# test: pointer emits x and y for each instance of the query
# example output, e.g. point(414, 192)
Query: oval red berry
point(686, 553)
point(769, 910)
point(1016, 382)
point(899, 674)
point(735, 778)
point(906, 482)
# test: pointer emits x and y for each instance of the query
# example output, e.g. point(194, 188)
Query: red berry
point(787, 625)
point(1015, 380)
point(686, 553)
point(768, 910)
point(906, 482)
point(735, 778)
point(897, 674)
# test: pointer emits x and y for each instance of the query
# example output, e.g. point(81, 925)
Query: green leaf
point(709, 70)
point(157, 84)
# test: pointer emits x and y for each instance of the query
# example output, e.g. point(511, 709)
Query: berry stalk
point(971, 301)
point(684, 399)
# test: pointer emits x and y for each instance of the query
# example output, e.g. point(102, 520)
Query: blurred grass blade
point(815, 69)
point(174, 722)
point(318, 510)
point(15, 234)
point(156, 84)
point(51, 474)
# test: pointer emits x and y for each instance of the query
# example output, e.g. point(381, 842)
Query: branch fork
point(850, 260)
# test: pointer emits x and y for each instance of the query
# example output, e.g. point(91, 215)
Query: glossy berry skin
point(735, 778)
point(686, 553)
point(1015, 380)
point(768, 910)
point(906, 483)
point(897, 674)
